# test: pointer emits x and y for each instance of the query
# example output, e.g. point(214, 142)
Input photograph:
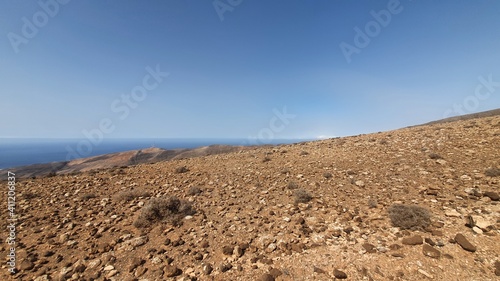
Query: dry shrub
point(302, 196)
point(129, 195)
point(492, 172)
point(194, 190)
point(30, 195)
point(293, 185)
point(435, 156)
point(171, 210)
point(87, 196)
point(180, 170)
point(409, 216)
point(327, 175)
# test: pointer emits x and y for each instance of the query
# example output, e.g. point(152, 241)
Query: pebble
point(430, 251)
point(466, 245)
point(207, 269)
point(413, 240)
point(171, 271)
point(425, 273)
point(492, 195)
point(339, 274)
point(452, 213)
point(266, 277)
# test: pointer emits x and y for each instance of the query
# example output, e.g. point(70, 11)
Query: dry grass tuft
point(409, 216)
point(492, 172)
point(171, 210)
point(302, 196)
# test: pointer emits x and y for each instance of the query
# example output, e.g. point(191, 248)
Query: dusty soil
point(252, 223)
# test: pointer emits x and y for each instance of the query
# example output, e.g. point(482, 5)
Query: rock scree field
point(419, 203)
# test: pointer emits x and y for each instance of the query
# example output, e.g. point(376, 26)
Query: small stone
point(452, 213)
point(426, 274)
point(369, 248)
point(318, 270)
point(441, 161)
point(42, 278)
point(477, 230)
point(27, 265)
point(171, 271)
point(112, 273)
point(63, 238)
point(80, 268)
point(93, 263)
point(497, 268)
point(266, 277)
point(466, 245)
point(413, 240)
point(225, 267)
point(227, 250)
point(430, 251)
point(492, 195)
point(207, 269)
point(430, 241)
point(275, 272)
point(204, 244)
point(339, 274)
point(134, 263)
point(360, 183)
point(108, 268)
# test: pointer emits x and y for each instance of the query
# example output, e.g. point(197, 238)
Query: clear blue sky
point(231, 70)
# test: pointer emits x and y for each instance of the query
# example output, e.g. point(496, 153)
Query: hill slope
point(310, 211)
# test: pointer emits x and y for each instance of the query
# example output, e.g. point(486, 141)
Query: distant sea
point(20, 152)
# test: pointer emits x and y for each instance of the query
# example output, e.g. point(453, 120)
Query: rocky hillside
point(418, 203)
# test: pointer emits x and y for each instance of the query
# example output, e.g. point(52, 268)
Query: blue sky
point(230, 71)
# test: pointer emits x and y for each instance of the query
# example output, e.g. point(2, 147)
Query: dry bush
point(171, 210)
point(194, 190)
point(180, 170)
point(293, 185)
point(285, 171)
point(435, 156)
point(327, 175)
point(492, 172)
point(372, 203)
point(87, 196)
point(409, 216)
point(129, 195)
point(302, 196)
point(29, 195)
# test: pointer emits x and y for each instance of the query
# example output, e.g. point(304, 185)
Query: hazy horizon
point(243, 69)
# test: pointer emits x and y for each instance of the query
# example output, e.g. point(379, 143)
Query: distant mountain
point(126, 158)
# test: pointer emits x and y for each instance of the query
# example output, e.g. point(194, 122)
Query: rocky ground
point(309, 211)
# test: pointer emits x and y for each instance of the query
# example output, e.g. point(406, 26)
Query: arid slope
point(253, 220)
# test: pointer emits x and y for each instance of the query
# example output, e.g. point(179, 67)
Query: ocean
point(20, 152)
